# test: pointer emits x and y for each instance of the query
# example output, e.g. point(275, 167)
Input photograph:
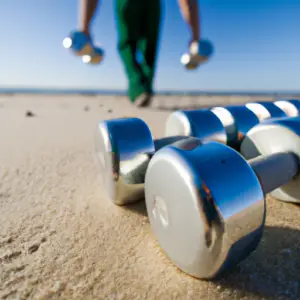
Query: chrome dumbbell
point(290, 106)
point(125, 146)
point(81, 45)
point(236, 120)
point(206, 202)
point(266, 109)
point(199, 52)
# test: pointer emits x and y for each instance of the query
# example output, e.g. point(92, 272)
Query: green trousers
point(138, 25)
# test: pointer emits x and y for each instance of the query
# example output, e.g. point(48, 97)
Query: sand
point(60, 237)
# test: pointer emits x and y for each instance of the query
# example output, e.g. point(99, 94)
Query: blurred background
point(257, 47)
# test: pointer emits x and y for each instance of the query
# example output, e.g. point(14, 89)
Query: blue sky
point(257, 46)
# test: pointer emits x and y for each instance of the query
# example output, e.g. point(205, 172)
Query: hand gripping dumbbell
point(206, 203)
point(291, 107)
point(236, 121)
point(125, 146)
point(82, 45)
point(199, 52)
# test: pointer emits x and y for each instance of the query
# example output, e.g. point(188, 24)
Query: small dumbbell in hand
point(82, 45)
point(198, 53)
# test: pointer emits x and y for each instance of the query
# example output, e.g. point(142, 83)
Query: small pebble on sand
point(29, 113)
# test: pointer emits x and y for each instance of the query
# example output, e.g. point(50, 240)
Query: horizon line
point(19, 89)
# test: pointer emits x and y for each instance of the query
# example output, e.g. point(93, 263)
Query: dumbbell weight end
point(95, 57)
point(79, 43)
point(124, 148)
point(206, 202)
point(199, 52)
point(205, 205)
point(279, 135)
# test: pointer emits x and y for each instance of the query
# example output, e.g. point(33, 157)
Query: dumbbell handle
point(136, 168)
point(275, 170)
point(165, 141)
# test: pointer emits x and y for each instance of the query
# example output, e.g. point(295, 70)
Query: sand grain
point(60, 238)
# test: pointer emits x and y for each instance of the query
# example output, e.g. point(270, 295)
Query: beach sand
point(60, 237)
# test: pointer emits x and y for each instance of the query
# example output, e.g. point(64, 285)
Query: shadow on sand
point(138, 208)
point(272, 271)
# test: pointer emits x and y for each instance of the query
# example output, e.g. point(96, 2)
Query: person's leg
point(148, 45)
point(129, 20)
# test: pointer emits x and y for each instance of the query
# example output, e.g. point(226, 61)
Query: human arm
point(190, 12)
point(87, 9)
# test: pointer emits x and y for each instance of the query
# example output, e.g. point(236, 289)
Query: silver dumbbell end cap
point(205, 206)
point(123, 148)
point(106, 159)
point(288, 107)
point(277, 135)
point(202, 124)
point(67, 43)
point(265, 110)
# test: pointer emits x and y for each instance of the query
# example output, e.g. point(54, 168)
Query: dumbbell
point(125, 146)
point(123, 173)
point(82, 45)
point(206, 202)
point(235, 120)
point(290, 107)
point(95, 57)
point(276, 135)
point(198, 53)
point(266, 110)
